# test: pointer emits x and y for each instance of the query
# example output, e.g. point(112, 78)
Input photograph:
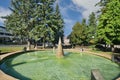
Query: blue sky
point(71, 10)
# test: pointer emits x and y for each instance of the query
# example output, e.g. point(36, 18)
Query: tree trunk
point(60, 52)
point(54, 45)
point(43, 43)
point(105, 47)
point(53, 50)
point(28, 45)
point(112, 48)
point(36, 47)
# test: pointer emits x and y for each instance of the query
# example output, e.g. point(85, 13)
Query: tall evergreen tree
point(21, 18)
point(92, 25)
point(33, 19)
point(85, 32)
point(84, 23)
point(58, 25)
point(43, 26)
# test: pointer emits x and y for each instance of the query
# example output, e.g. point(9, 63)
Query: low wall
point(4, 76)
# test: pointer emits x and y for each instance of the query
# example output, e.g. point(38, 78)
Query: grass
point(96, 50)
point(43, 65)
point(99, 51)
point(12, 48)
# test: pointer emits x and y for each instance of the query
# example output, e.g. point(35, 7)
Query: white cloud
point(57, 1)
point(3, 12)
point(88, 5)
point(64, 8)
point(84, 7)
point(68, 26)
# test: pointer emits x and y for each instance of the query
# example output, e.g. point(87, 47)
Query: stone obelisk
point(60, 52)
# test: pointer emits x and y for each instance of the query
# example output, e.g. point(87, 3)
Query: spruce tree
point(58, 25)
point(31, 19)
point(46, 15)
point(20, 20)
point(85, 39)
point(35, 19)
point(92, 26)
point(43, 25)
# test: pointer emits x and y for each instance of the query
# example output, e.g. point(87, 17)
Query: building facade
point(5, 36)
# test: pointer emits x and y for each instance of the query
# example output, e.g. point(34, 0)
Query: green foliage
point(44, 24)
point(58, 25)
point(35, 19)
point(109, 23)
point(78, 36)
point(84, 34)
point(92, 27)
point(43, 65)
point(21, 21)
point(102, 3)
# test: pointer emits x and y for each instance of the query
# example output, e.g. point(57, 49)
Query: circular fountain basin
point(43, 65)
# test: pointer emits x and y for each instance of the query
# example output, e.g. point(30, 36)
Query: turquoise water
point(43, 65)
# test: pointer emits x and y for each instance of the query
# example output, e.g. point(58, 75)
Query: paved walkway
point(4, 76)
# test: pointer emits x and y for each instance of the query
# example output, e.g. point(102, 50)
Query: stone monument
point(60, 52)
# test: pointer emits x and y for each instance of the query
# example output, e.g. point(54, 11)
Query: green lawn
point(12, 48)
point(43, 65)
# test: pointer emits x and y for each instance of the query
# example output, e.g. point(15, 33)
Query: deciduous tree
point(109, 23)
point(78, 36)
